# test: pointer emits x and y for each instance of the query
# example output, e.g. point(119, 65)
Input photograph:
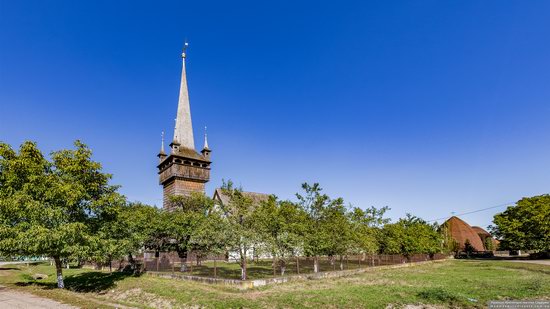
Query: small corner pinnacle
point(205, 139)
point(162, 142)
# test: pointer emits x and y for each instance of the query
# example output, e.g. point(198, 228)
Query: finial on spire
point(185, 45)
point(205, 138)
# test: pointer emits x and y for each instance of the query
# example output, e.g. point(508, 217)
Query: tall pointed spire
point(183, 171)
point(183, 133)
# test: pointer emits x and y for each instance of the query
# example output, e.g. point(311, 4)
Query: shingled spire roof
point(183, 133)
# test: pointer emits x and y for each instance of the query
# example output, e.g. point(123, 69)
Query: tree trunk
point(254, 256)
point(274, 266)
point(215, 268)
point(59, 272)
point(110, 266)
point(183, 267)
point(283, 267)
point(316, 264)
point(243, 265)
point(298, 265)
point(132, 262)
point(120, 264)
point(341, 262)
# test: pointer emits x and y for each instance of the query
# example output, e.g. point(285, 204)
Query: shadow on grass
point(263, 269)
point(85, 282)
point(9, 268)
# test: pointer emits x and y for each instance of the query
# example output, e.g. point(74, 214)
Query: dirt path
point(541, 262)
point(14, 299)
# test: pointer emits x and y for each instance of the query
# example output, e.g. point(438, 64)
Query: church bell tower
point(183, 170)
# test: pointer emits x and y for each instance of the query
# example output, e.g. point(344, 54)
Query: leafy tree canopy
point(53, 207)
point(525, 226)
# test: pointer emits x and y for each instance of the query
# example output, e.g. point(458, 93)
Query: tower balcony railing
point(185, 172)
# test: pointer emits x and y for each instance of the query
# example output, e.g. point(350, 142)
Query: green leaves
point(55, 208)
point(410, 235)
point(525, 226)
point(281, 226)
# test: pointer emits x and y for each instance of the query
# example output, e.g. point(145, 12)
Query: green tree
point(239, 215)
point(53, 208)
point(468, 248)
point(411, 235)
point(525, 226)
point(138, 227)
point(213, 235)
point(159, 232)
point(489, 244)
point(366, 226)
point(112, 242)
point(339, 231)
point(280, 226)
point(188, 213)
point(325, 225)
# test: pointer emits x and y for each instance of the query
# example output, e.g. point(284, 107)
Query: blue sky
point(428, 107)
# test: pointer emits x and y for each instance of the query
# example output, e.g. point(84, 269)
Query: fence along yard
point(219, 267)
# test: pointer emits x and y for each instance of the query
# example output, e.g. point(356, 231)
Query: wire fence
point(221, 267)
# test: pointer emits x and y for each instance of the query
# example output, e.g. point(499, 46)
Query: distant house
point(223, 199)
point(486, 237)
point(461, 231)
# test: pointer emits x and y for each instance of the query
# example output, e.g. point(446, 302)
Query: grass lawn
point(263, 268)
point(453, 283)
